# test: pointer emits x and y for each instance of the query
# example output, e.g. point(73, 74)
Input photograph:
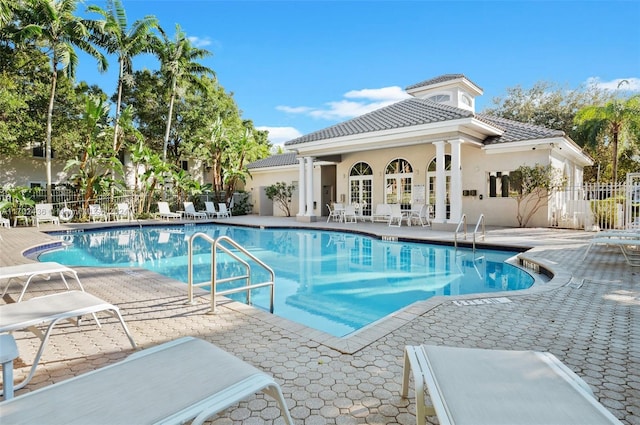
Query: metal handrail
point(215, 246)
point(475, 231)
point(462, 222)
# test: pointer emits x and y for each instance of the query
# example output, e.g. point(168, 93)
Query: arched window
point(431, 181)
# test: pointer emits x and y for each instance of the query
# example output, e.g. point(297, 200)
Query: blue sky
point(299, 66)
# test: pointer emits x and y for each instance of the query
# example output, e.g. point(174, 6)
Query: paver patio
point(590, 320)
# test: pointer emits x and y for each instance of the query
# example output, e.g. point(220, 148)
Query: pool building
point(430, 148)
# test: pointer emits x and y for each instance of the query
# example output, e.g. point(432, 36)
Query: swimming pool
point(331, 281)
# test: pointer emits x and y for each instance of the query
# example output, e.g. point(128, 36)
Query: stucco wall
point(23, 171)
point(261, 179)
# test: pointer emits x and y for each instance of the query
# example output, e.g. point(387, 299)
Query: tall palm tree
point(614, 119)
point(178, 66)
point(52, 26)
point(114, 36)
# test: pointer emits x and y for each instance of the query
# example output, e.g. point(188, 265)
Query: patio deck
point(589, 317)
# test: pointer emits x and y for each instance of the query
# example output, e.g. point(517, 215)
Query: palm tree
point(52, 26)
point(114, 36)
point(615, 120)
point(178, 66)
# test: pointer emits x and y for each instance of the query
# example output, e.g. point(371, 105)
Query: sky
point(295, 67)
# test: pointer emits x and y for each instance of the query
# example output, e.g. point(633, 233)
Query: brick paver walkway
point(591, 323)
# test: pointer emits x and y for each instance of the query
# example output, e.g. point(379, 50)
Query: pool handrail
point(479, 224)
point(215, 246)
point(462, 227)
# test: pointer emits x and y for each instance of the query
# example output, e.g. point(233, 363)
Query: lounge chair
point(31, 270)
point(223, 211)
point(165, 212)
point(190, 211)
point(44, 214)
point(172, 383)
point(382, 213)
point(210, 210)
point(4, 222)
point(96, 213)
point(478, 386)
point(628, 241)
point(123, 212)
point(49, 310)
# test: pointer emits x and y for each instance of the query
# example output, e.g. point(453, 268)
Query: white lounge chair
point(477, 386)
point(5, 222)
point(31, 270)
point(165, 212)
point(629, 243)
point(210, 209)
point(190, 211)
point(382, 213)
point(44, 214)
point(172, 383)
point(96, 213)
point(333, 214)
point(50, 310)
point(123, 212)
point(223, 211)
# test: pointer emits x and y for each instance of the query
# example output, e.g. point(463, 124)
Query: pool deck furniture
point(190, 211)
point(8, 353)
point(223, 212)
point(49, 310)
point(382, 213)
point(478, 386)
point(31, 270)
point(628, 241)
point(4, 222)
point(96, 213)
point(44, 214)
point(165, 212)
point(172, 383)
point(211, 210)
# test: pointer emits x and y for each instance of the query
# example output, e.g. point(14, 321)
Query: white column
point(309, 194)
point(302, 188)
point(455, 192)
point(441, 185)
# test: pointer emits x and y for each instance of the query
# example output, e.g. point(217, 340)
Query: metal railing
point(479, 224)
point(462, 227)
point(216, 245)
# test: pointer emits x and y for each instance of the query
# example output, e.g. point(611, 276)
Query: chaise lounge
point(477, 386)
point(172, 383)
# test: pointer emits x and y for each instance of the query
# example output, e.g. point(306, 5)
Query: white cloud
point(279, 135)
point(372, 99)
point(200, 42)
point(625, 84)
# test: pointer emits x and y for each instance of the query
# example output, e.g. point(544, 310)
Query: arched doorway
point(431, 182)
point(360, 186)
point(399, 183)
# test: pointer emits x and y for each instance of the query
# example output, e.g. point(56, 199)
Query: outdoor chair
point(180, 381)
point(349, 214)
point(210, 209)
point(628, 241)
point(165, 212)
point(31, 270)
point(396, 216)
point(382, 213)
point(223, 211)
point(44, 214)
point(96, 213)
point(190, 211)
point(49, 310)
point(479, 386)
point(123, 211)
point(333, 214)
point(420, 214)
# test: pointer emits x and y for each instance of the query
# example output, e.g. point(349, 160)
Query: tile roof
point(440, 79)
point(406, 113)
point(515, 131)
point(275, 161)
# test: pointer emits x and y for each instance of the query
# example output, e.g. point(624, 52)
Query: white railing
point(461, 228)
point(479, 225)
point(217, 245)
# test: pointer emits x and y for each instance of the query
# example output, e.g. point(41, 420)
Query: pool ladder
point(225, 244)
point(462, 228)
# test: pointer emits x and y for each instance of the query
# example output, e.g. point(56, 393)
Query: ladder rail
point(479, 224)
point(216, 245)
point(462, 226)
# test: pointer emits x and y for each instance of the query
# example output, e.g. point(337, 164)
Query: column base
point(306, 218)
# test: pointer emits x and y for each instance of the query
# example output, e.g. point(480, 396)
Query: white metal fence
point(596, 206)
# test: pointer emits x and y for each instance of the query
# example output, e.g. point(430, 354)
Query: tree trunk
point(47, 143)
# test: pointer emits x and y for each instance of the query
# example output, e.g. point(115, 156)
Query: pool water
point(331, 281)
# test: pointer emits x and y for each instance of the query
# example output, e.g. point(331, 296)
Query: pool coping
point(372, 332)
